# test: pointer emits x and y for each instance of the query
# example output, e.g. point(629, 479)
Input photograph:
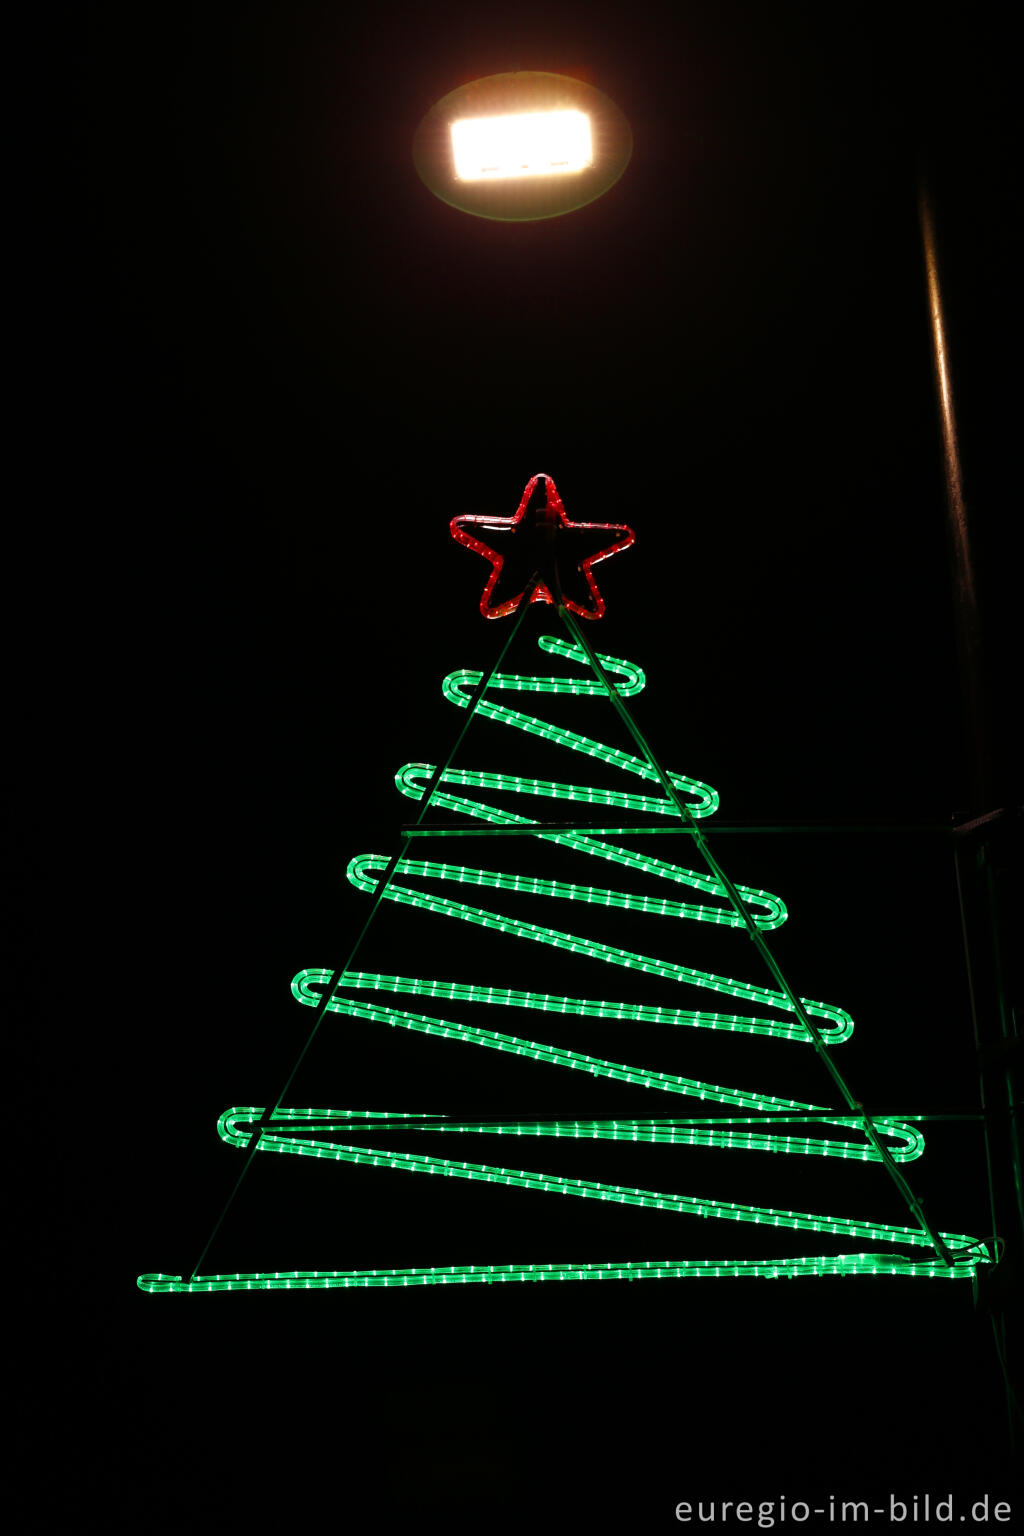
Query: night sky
point(277, 367)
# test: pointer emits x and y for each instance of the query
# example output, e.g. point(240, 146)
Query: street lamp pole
point(965, 594)
point(984, 874)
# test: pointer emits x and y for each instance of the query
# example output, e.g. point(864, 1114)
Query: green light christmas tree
point(541, 558)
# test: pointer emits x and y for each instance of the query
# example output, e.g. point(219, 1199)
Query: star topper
point(541, 554)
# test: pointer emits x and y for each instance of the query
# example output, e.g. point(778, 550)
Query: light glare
point(521, 144)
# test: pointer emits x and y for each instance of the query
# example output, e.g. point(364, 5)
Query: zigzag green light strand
point(744, 1132)
point(667, 1082)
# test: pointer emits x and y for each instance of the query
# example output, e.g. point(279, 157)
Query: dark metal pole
point(983, 863)
point(965, 593)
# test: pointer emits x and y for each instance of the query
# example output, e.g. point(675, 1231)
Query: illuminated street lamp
point(523, 145)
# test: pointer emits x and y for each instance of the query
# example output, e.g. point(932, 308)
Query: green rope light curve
point(910, 1141)
point(751, 1130)
point(496, 1274)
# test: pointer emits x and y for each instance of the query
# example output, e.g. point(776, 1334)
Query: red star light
point(542, 553)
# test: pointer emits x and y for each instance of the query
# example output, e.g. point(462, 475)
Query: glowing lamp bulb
point(521, 144)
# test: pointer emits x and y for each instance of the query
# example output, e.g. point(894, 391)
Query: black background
point(271, 368)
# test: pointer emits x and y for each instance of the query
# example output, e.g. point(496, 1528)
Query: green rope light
point(549, 1002)
point(308, 1132)
point(912, 1140)
point(413, 777)
point(495, 1274)
point(458, 687)
point(587, 1189)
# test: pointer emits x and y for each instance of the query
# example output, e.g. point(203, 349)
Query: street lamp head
point(521, 146)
